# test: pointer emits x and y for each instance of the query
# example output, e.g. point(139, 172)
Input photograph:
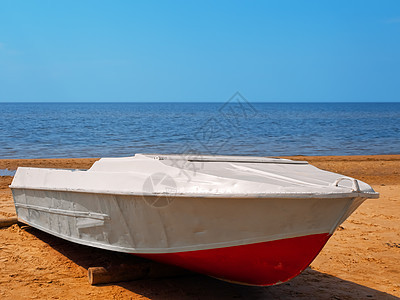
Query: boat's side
point(132, 224)
point(254, 241)
point(266, 263)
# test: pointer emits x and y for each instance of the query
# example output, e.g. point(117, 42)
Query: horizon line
point(158, 102)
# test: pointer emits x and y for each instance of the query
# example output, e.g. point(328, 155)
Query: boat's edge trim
point(280, 195)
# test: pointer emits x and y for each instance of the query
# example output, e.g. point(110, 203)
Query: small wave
point(7, 172)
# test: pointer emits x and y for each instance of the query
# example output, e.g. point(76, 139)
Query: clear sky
point(199, 50)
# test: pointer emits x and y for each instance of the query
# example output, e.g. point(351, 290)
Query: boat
point(250, 220)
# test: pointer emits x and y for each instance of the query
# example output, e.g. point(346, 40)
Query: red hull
point(266, 263)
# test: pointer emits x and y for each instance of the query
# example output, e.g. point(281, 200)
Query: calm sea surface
point(48, 130)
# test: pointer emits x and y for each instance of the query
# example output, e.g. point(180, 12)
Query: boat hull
point(260, 264)
point(252, 241)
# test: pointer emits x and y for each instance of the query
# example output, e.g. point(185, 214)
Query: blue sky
point(289, 51)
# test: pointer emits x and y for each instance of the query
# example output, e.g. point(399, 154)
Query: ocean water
point(50, 130)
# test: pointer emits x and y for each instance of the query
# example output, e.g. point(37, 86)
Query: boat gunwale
point(281, 195)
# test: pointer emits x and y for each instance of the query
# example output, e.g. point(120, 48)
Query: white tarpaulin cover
point(201, 176)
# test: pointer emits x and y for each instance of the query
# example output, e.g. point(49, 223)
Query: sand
point(360, 261)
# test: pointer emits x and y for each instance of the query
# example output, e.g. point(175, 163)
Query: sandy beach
point(360, 261)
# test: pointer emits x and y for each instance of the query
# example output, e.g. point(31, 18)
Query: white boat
point(250, 220)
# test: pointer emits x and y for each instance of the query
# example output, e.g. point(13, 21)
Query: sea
point(235, 127)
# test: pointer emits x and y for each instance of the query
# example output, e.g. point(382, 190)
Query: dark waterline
point(51, 130)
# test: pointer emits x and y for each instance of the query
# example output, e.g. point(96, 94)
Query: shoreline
point(358, 262)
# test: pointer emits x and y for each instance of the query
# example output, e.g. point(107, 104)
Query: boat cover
point(197, 176)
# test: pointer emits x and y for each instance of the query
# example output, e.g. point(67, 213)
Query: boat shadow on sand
point(309, 284)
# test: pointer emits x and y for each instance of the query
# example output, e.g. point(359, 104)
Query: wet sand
point(360, 261)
